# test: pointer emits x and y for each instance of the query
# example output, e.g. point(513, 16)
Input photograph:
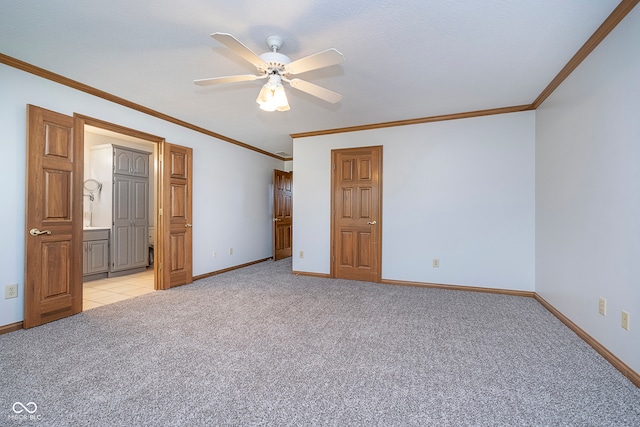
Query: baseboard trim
point(306, 273)
point(225, 270)
point(11, 327)
point(511, 292)
point(624, 369)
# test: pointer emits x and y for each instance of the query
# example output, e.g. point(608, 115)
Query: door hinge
point(334, 166)
point(160, 211)
point(160, 266)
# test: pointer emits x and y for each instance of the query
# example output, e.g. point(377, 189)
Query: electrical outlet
point(301, 254)
point(625, 320)
point(11, 291)
point(230, 251)
point(436, 263)
point(602, 306)
point(215, 254)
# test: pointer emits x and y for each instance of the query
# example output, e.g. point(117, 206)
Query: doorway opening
point(120, 206)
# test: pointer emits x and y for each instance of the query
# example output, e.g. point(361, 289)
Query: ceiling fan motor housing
point(275, 61)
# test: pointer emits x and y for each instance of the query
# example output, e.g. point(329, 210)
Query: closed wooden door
point(356, 207)
point(176, 258)
point(54, 247)
point(282, 214)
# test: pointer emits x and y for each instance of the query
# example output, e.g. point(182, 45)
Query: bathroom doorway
point(119, 212)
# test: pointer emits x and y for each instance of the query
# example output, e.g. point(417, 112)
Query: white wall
point(231, 194)
point(588, 193)
point(461, 191)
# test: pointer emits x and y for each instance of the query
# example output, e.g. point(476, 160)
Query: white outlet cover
point(11, 291)
point(625, 320)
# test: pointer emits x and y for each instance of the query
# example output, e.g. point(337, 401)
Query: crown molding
point(74, 84)
point(603, 31)
point(466, 115)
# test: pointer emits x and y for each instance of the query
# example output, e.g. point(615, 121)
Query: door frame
point(333, 273)
point(80, 122)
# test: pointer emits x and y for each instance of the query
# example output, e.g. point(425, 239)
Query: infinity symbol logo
point(22, 407)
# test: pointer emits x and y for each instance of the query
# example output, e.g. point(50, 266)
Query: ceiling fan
point(277, 68)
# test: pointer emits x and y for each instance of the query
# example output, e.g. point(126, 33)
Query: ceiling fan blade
point(315, 90)
point(322, 59)
point(235, 45)
point(226, 79)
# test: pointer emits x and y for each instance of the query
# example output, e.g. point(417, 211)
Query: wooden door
point(282, 214)
point(53, 246)
point(176, 249)
point(356, 221)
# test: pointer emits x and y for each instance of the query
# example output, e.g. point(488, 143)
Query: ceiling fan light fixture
point(272, 96)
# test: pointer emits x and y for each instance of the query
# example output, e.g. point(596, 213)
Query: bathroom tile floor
point(112, 289)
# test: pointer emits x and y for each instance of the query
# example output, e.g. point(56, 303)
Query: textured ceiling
point(403, 59)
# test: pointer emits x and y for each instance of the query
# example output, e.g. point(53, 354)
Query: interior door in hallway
point(53, 241)
point(282, 214)
point(357, 209)
point(176, 251)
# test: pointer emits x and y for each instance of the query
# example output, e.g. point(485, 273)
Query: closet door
point(122, 161)
point(130, 222)
point(140, 163)
point(130, 162)
point(139, 204)
point(121, 256)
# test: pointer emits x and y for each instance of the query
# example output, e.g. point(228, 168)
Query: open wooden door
point(177, 232)
point(282, 214)
point(357, 210)
point(53, 242)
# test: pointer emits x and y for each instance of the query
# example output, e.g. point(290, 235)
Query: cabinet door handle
point(188, 225)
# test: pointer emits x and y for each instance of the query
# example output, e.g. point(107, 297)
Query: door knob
point(277, 219)
point(188, 225)
point(36, 232)
point(372, 223)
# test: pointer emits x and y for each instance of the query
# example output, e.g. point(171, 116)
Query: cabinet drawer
point(95, 235)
